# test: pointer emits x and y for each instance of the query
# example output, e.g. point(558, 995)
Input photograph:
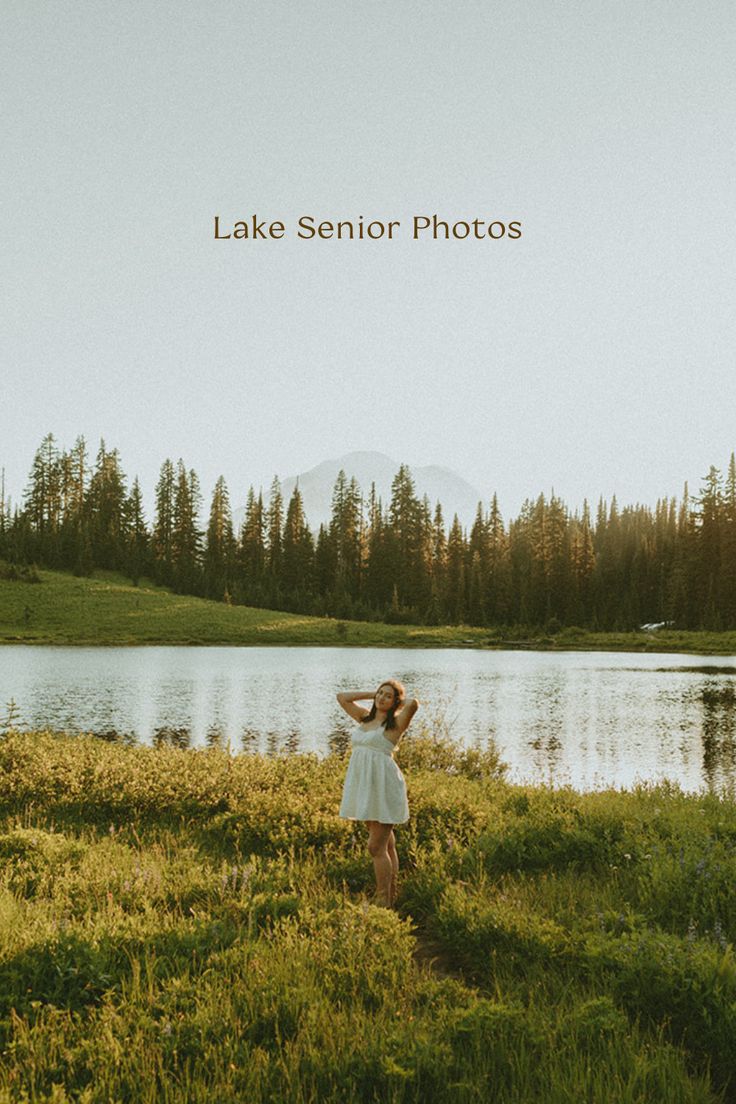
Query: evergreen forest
point(611, 568)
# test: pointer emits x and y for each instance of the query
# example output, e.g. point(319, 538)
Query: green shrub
point(430, 752)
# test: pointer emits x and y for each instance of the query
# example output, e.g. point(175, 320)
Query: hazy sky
point(594, 355)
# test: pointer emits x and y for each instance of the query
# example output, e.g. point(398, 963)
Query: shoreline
point(107, 610)
point(633, 646)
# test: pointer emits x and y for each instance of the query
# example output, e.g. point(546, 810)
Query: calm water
point(588, 718)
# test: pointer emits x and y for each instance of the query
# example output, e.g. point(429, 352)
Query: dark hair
point(399, 696)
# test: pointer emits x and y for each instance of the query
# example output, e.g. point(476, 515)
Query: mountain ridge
point(456, 494)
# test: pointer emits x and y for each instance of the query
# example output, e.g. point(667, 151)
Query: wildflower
point(627, 855)
point(719, 936)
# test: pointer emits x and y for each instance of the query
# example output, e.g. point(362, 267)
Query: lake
point(590, 719)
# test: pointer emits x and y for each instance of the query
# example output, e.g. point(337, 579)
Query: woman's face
point(385, 696)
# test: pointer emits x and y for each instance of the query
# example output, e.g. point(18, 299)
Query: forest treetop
point(394, 561)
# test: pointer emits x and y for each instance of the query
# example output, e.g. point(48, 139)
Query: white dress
point(374, 787)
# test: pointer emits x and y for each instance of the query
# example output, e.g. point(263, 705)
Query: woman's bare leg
point(378, 837)
point(392, 854)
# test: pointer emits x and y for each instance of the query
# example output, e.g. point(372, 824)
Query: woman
point(374, 789)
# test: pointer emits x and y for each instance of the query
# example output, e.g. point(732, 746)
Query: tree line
point(397, 561)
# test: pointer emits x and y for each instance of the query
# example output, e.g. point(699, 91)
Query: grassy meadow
point(107, 609)
point(191, 926)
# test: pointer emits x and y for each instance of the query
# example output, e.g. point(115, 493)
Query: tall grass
point(190, 926)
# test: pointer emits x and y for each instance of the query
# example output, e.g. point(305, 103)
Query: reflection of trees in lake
point(112, 736)
point(718, 733)
point(249, 739)
point(172, 736)
point(215, 736)
point(547, 712)
point(292, 742)
point(254, 741)
point(338, 741)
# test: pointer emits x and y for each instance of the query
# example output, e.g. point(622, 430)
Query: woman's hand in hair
point(347, 700)
point(404, 715)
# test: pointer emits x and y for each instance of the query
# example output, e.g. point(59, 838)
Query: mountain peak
point(456, 495)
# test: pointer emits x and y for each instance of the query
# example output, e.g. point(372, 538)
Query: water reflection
point(547, 716)
point(588, 719)
point(112, 736)
point(719, 727)
point(291, 742)
point(338, 741)
point(172, 736)
point(249, 739)
point(215, 737)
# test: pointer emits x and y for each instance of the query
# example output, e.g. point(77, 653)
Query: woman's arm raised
point(404, 716)
point(348, 698)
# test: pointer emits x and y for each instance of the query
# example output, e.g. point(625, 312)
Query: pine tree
point(252, 551)
point(498, 578)
point(137, 535)
point(559, 579)
point(478, 563)
point(728, 549)
point(476, 605)
point(43, 501)
point(105, 510)
point(709, 508)
point(324, 569)
point(407, 525)
point(219, 554)
point(541, 565)
point(298, 555)
point(582, 553)
point(74, 537)
point(682, 594)
point(611, 582)
point(163, 527)
point(274, 529)
point(438, 570)
point(346, 536)
point(4, 512)
point(456, 598)
point(186, 538)
point(520, 559)
point(379, 579)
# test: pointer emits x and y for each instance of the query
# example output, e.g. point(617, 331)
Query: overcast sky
point(594, 355)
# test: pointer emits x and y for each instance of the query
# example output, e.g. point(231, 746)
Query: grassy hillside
point(185, 926)
point(108, 609)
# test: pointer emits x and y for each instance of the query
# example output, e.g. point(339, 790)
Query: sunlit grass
point(108, 609)
point(194, 926)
